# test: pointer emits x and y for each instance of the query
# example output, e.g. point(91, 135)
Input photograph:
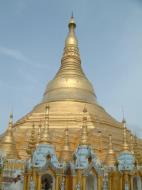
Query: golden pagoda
point(32, 141)
point(66, 95)
point(111, 156)
point(66, 151)
point(7, 141)
point(69, 139)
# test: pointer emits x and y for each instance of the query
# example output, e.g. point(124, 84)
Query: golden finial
point(45, 138)
point(71, 39)
point(111, 157)
point(72, 15)
point(123, 119)
point(84, 136)
point(72, 22)
point(32, 141)
point(125, 144)
point(10, 121)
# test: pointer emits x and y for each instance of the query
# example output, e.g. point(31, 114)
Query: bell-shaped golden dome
point(70, 82)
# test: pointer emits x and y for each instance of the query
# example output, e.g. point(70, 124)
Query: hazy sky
point(32, 34)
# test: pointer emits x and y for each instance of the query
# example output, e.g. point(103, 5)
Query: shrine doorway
point(137, 183)
point(91, 182)
point(47, 182)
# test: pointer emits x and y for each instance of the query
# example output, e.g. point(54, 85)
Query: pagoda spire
point(7, 142)
point(71, 62)
point(71, 38)
point(84, 135)
point(70, 82)
point(32, 141)
point(110, 144)
point(66, 142)
point(125, 144)
point(66, 152)
point(111, 157)
point(132, 143)
point(45, 138)
point(39, 132)
point(10, 125)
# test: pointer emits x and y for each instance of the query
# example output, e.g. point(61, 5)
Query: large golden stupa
point(66, 96)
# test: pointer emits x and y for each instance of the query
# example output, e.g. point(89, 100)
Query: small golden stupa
point(7, 141)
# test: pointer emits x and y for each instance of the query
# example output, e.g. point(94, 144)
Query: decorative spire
point(10, 121)
point(70, 82)
point(66, 145)
point(132, 144)
point(7, 142)
point(125, 144)
point(71, 63)
point(84, 136)
point(66, 153)
point(45, 138)
point(110, 145)
point(71, 39)
point(100, 141)
point(39, 132)
point(72, 15)
point(123, 119)
point(32, 141)
point(111, 157)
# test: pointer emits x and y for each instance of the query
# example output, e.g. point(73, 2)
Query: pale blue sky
point(32, 34)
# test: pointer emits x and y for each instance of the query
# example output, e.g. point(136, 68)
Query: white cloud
point(19, 56)
point(15, 54)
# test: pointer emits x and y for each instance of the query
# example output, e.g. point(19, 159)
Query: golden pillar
point(34, 177)
point(110, 181)
point(25, 181)
point(83, 182)
point(79, 180)
point(100, 183)
point(57, 182)
point(28, 180)
point(126, 179)
point(121, 182)
point(38, 182)
point(1, 179)
point(69, 182)
point(131, 182)
point(74, 183)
